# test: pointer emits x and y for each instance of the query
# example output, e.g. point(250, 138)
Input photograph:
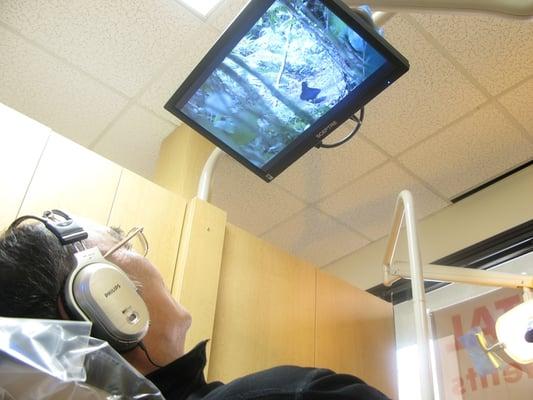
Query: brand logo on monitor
point(112, 290)
point(332, 125)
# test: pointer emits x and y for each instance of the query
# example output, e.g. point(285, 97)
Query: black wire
point(143, 347)
point(358, 120)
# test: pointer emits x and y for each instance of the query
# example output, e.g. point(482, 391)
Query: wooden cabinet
point(355, 333)
point(196, 281)
point(22, 141)
point(41, 170)
point(139, 202)
point(73, 179)
point(265, 313)
point(276, 309)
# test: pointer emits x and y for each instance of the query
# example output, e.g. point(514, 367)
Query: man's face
point(165, 339)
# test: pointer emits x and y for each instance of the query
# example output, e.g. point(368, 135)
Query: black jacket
point(184, 379)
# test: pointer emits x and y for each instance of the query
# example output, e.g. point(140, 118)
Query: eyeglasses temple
point(130, 236)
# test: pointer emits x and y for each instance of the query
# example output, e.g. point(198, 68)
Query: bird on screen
point(310, 94)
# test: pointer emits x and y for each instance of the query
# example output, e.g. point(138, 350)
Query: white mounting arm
point(404, 207)
point(508, 8)
point(444, 273)
point(204, 185)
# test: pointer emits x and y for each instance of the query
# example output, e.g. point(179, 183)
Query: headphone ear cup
point(71, 308)
point(100, 292)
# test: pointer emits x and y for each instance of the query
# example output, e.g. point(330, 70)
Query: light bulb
point(511, 329)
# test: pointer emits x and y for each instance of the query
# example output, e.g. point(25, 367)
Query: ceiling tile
point(315, 237)
point(224, 14)
point(497, 51)
point(519, 102)
point(164, 87)
point(123, 43)
point(134, 140)
point(367, 204)
point(322, 171)
point(473, 151)
point(431, 95)
point(250, 202)
point(51, 92)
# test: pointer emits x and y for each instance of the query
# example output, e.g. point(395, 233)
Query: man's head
point(33, 267)
point(33, 270)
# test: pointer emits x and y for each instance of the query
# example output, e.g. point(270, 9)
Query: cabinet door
point(197, 276)
point(355, 333)
point(265, 312)
point(74, 179)
point(140, 202)
point(22, 142)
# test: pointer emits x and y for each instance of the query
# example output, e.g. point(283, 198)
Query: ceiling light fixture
point(202, 7)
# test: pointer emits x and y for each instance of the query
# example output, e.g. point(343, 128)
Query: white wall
point(484, 214)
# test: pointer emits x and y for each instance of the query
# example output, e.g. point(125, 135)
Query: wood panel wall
point(41, 170)
point(181, 159)
point(22, 143)
point(355, 333)
point(265, 313)
point(198, 268)
point(276, 309)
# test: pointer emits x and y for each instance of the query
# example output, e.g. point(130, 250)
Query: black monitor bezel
point(395, 66)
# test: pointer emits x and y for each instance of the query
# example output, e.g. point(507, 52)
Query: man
point(33, 270)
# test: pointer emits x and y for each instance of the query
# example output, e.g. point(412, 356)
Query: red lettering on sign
point(458, 331)
point(483, 319)
point(471, 376)
point(507, 303)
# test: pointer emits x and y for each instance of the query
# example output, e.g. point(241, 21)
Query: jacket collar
point(183, 376)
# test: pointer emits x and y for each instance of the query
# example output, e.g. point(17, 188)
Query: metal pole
point(405, 209)
point(522, 9)
point(381, 17)
point(204, 186)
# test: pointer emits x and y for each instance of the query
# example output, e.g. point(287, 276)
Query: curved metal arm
point(380, 17)
point(204, 185)
point(404, 208)
point(508, 8)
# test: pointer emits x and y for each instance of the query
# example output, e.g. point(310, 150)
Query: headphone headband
point(67, 231)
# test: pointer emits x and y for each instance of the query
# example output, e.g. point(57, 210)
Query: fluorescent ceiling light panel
point(202, 7)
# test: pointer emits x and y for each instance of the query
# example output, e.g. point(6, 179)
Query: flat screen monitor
point(282, 77)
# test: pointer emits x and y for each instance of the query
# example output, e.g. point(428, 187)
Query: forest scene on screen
point(296, 63)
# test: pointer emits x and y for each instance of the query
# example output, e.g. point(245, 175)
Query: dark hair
point(33, 269)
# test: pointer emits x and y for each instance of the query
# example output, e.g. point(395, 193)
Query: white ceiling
point(99, 72)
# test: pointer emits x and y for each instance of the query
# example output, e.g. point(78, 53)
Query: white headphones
point(97, 290)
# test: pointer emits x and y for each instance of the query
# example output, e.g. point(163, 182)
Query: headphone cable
point(143, 348)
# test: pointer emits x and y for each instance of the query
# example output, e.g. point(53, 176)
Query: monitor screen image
point(282, 77)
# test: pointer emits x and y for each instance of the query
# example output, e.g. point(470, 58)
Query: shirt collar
point(182, 376)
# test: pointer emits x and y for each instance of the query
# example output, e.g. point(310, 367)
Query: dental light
point(514, 329)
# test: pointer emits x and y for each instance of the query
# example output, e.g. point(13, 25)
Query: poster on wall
point(457, 376)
